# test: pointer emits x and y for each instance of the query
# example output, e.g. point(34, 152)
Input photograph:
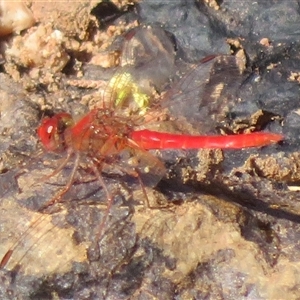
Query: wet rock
point(232, 230)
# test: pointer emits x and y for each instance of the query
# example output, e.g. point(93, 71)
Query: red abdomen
point(159, 140)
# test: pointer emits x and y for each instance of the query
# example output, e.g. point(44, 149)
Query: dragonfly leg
point(109, 200)
point(56, 171)
point(57, 197)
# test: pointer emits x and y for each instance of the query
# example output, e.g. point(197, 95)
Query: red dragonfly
point(105, 136)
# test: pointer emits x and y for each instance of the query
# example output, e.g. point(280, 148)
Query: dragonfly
point(106, 135)
point(110, 135)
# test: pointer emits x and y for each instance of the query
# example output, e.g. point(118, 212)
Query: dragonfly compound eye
point(47, 133)
point(51, 131)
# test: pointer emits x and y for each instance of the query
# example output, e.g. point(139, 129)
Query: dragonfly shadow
point(248, 199)
point(245, 198)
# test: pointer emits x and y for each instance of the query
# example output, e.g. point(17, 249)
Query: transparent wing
point(138, 162)
point(147, 62)
point(205, 94)
point(152, 51)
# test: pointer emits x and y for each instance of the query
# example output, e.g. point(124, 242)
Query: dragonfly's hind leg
point(109, 200)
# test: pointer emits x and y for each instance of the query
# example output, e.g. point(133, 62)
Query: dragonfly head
point(51, 131)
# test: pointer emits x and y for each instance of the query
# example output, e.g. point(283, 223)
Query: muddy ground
point(224, 224)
